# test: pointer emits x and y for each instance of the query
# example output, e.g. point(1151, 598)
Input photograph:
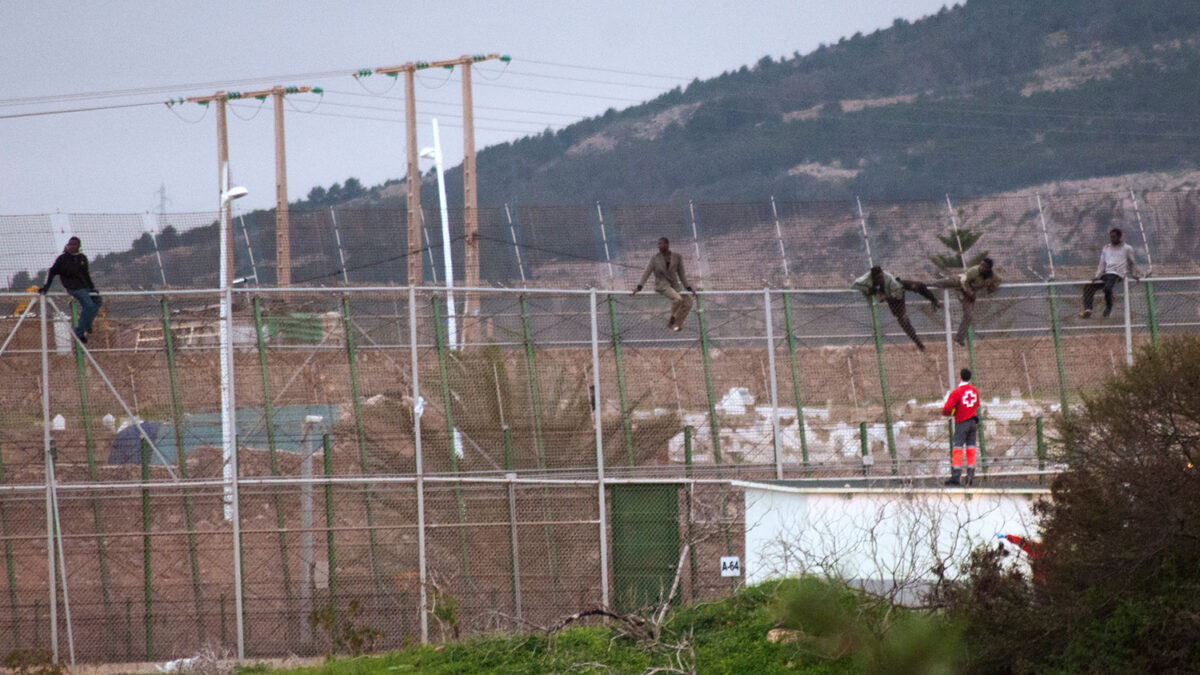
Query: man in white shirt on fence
point(1116, 262)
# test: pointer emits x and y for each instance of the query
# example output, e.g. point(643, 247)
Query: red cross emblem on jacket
point(963, 402)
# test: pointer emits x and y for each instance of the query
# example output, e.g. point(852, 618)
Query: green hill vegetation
point(828, 629)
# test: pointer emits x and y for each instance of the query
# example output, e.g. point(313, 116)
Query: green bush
point(1118, 583)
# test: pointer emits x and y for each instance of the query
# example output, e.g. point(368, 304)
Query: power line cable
point(606, 70)
point(75, 110)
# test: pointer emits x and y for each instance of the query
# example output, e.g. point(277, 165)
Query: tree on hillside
point(959, 240)
point(1118, 573)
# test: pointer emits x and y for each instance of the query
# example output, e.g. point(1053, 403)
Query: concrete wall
point(880, 538)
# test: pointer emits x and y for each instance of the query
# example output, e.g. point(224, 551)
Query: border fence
point(405, 474)
point(1032, 237)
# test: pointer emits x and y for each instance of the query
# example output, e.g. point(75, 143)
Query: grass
point(728, 636)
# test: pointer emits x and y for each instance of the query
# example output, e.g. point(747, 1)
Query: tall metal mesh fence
point(384, 503)
point(734, 245)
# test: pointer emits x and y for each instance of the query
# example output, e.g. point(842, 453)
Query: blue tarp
point(127, 446)
point(204, 430)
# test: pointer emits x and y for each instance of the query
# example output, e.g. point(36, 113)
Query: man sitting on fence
point(72, 268)
point(669, 280)
point(885, 287)
point(969, 284)
point(1116, 261)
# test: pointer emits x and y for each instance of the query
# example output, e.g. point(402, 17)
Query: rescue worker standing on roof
point(963, 404)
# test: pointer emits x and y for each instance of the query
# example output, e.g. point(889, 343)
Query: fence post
point(419, 459)
point(181, 463)
point(1128, 322)
point(516, 249)
point(9, 568)
point(883, 385)
point(331, 552)
point(597, 422)
point(774, 383)
point(687, 464)
point(513, 549)
point(428, 247)
point(787, 277)
point(950, 379)
point(337, 236)
point(97, 517)
point(1152, 315)
point(249, 250)
point(147, 585)
point(616, 340)
point(791, 343)
point(239, 605)
point(360, 435)
point(865, 447)
point(531, 368)
point(713, 425)
point(700, 264)
point(535, 404)
point(975, 379)
point(280, 523)
point(1149, 270)
point(447, 400)
point(1062, 376)
point(52, 573)
point(612, 281)
point(1041, 451)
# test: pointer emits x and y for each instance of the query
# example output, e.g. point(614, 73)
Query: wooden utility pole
point(283, 236)
point(283, 250)
point(470, 328)
point(413, 174)
point(226, 222)
point(470, 199)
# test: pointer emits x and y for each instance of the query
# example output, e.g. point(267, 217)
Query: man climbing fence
point(890, 289)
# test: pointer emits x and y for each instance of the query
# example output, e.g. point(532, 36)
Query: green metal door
point(645, 543)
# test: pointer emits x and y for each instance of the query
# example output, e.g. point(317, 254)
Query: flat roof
point(890, 485)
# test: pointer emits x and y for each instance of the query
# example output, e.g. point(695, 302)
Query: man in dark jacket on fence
point(890, 289)
point(72, 268)
point(973, 281)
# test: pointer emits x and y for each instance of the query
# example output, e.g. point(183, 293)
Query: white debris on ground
point(746, 432)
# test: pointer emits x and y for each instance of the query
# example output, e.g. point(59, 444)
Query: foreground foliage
point(1116, 585)
point(834, 631)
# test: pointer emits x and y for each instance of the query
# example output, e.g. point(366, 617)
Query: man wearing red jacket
point(963, 404)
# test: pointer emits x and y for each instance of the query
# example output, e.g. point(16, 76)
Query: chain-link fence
point(729, 246)
point(412, 464)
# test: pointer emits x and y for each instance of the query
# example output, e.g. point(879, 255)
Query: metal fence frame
point(690, 475)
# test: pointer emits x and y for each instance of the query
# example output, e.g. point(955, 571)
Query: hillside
point(986, 99)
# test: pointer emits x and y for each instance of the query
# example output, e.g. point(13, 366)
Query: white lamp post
point(225, 331)
point(435, 153)
point(228, 419)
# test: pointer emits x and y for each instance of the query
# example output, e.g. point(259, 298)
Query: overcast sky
point(570, 60)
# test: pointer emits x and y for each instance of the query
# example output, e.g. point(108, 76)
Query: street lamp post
point(228, 419)
point(225, 332)
point(435, 153)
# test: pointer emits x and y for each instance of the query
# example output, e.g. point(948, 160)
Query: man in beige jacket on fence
point(669, 280)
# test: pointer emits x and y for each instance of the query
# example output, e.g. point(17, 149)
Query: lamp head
point(236, 192)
